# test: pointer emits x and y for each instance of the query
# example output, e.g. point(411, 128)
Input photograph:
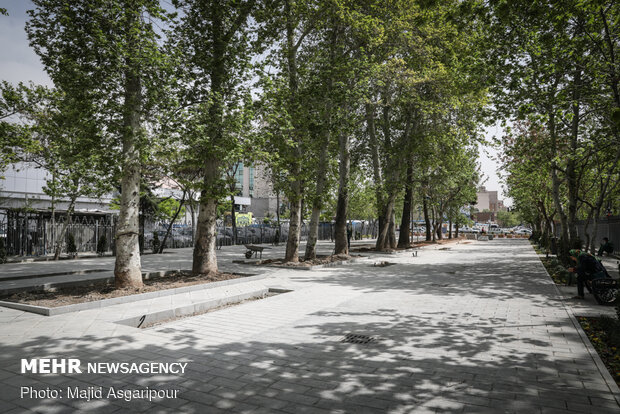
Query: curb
point(47, 311)
point(187, 310)
point(81, 282)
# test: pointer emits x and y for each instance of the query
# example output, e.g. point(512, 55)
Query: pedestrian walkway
point(471, 327)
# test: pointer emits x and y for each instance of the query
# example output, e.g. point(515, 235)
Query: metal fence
point(607, 227)
point(33, 233)
point(182, 236)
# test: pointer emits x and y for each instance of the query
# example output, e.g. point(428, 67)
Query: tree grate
point(357, 339)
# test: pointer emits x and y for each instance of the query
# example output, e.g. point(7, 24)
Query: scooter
point(605, 289)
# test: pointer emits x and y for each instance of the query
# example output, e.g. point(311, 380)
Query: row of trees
point(558, 80)
point(370, 100)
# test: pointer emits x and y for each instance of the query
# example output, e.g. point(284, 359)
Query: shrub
point(555, 262)
point(612, 328)
point(156, 243)
point(71, 247)
point(567, 277)
point(102, 245)
point(2, 251)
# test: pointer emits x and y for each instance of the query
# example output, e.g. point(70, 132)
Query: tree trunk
point(63, 231)
point(313, 233)
point(127, 270)
point(456, 233)
point(169, 229)
point(571, 173)
point(555, 181)
point(53, 222)
point(292, 243)
point(341, 243)
point(427, 219)
point(204, 258)
point(377, 175)
point(279, 232)
point(383, 238)
point(450, 229)
point(296, 196)
point(596, 217)
point(392, 230)
point(404, 238)
point(317, 204)
point(192, 211)
point(434, 223)
point(233, 222)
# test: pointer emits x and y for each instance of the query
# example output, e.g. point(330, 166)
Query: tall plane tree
point(214, 40)
point(105, 54)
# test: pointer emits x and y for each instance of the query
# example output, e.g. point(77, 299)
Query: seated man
point(606, 246)
point(587, 268)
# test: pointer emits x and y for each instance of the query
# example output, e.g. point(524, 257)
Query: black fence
point(182, 236)
point(34, 233)
point(607, 227)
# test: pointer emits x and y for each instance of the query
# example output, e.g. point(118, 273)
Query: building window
point(251, 169)
point(239, 178)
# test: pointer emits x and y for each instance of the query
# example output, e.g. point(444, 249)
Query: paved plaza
point(470, 327)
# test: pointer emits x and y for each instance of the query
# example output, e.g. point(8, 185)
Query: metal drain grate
point(357, 339)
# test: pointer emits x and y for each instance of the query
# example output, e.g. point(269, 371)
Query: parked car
point(469, 230)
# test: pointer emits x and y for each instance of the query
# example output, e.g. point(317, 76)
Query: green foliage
point(362, 201)
point(552, 65)
point(223, 208)
point(508, 218)
point(18, 105)
point(167, 209)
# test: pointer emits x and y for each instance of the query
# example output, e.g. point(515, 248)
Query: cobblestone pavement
point(470, 327)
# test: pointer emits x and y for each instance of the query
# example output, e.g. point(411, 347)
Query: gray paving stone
point(493, 337)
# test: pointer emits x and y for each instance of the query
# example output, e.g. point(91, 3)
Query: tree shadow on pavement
point(411, 365)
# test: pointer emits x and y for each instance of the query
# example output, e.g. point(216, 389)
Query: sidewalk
point(474, 327)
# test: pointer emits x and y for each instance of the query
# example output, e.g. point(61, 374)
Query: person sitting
point(606, 247)
point(587, 268)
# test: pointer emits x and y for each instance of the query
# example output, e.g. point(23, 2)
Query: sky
point(19, 63)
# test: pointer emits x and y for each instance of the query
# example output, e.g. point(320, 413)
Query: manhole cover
point(357, 339)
